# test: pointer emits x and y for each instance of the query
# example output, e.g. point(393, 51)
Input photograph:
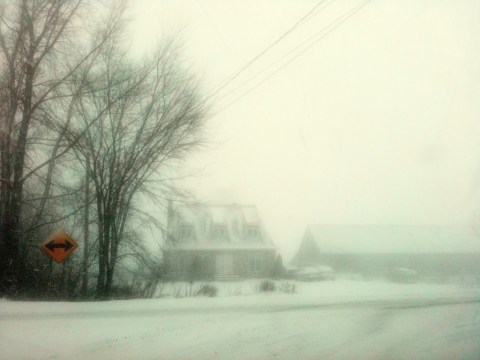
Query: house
point(217, 242)
point(437, 251)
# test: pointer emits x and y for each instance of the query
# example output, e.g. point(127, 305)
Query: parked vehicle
point(291, 271)
point(403, 275)
point(315, 273)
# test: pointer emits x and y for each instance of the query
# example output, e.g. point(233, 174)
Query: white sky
point(377, 123)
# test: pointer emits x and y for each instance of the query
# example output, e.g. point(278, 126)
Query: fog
point(342, 125)
point(375, 123)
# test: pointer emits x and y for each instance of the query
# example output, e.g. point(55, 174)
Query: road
point(379, 330)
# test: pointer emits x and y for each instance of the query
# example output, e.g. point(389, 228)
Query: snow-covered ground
point(344, 319)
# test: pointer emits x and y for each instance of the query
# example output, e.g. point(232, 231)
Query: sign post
point(59, 246)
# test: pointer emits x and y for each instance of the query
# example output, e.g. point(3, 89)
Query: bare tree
point(136, 121)
point(35, 35)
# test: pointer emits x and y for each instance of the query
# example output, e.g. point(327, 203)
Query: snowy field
point(344, 319)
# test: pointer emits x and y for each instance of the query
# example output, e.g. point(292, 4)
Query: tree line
point(86, 131)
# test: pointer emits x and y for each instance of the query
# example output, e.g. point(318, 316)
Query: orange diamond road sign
point(59, 246)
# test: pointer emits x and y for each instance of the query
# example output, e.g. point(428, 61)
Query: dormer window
point(185, 233)
point(219, 233)
point(252, 233)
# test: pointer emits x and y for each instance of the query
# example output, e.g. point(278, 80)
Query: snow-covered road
point(275, 326)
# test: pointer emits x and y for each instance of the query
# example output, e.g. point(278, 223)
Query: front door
point(224, 265)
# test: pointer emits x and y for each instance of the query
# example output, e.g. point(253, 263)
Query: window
point(219, 233)
point(185, 233)
point(252, 233)
point(177, 264)
point(255, 264)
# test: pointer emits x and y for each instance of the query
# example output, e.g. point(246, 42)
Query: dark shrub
point(207, 290)
point(125, 292)
point(287, 287)
point(278, 270)
point(266, 286)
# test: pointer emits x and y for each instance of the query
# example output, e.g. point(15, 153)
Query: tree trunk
point(86, 230)
point(13, 265)
point(101, 252)
point(109, 281)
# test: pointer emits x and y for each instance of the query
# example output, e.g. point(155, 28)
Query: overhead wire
point(342, 19)
point(278, 60)
point(301, 21)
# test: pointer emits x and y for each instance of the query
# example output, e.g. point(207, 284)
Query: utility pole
point(86, 229)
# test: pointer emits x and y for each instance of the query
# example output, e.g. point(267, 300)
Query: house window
point(252, 233)
point(185, 233)
point(255, 264)
point(219, 233)
point(177, 264)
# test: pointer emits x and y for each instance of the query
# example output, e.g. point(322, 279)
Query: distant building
point(217, 242)
point(375, 250)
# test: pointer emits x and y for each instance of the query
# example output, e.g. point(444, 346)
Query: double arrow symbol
point(52, 245)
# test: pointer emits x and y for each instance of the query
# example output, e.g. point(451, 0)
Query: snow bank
point(244, 294)
point(242, 324)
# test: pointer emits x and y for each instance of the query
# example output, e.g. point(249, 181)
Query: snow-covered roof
point(393, 239)
point(234, 219)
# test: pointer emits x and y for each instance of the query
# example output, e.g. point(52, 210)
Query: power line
point(304, 19)
point(342, 19)
point(280, 59)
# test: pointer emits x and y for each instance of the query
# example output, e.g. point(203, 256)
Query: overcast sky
point(375, 122)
